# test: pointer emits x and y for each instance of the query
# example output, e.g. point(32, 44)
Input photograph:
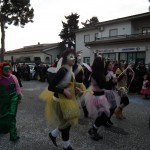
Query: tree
point(16, 12)
point(67, 34)
point(90, 22)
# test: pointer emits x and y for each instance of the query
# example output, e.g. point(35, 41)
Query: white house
point(45, 53)
point(125, 38)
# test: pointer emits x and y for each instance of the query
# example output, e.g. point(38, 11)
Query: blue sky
point(49, 14)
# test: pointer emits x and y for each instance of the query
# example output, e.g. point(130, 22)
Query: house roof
point(34, 48)
point(128, 18)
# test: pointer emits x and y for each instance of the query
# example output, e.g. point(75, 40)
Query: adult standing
point(140, 72)
point(16, 70)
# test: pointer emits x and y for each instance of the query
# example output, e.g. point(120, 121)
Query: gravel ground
point(132, 133)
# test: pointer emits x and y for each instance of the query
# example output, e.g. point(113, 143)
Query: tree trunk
point(2, 40)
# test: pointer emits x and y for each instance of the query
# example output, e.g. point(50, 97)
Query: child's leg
point(13, 111)
point(146, 96)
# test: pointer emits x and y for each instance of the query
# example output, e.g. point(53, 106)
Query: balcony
point(120, 39)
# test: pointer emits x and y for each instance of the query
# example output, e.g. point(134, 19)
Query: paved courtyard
point(132, 133)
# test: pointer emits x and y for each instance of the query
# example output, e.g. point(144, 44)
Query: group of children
point(101, 95)
point(99, 91)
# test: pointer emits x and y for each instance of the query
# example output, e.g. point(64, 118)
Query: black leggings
point(112, 111)
point(101, 120)
point(65, 133)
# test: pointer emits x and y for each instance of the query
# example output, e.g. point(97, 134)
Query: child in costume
point(146, 86)
point(79, 77)
point(96, 101)
point(62, 109)
point(122, 89)
point(110, 92)
point(10, 96)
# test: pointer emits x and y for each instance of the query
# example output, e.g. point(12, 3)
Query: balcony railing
point(123, 36)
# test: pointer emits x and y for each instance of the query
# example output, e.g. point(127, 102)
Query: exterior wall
point(123, 48)
point(80, 45)
point(139, 24)
point(51, 53)
point(17, 56)
point(147, 60)
point(124, 28)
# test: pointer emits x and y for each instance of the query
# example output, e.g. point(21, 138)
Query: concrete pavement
point(33, 130)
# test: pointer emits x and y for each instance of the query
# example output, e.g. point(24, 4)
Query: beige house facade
point(45, 53)
point(125, 38)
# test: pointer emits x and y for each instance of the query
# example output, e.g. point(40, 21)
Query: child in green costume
point(10, 96)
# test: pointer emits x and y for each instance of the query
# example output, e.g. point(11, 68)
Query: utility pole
point(149, 6)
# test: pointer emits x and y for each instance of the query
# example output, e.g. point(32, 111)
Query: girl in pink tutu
point(146, 86)
point(96, 101)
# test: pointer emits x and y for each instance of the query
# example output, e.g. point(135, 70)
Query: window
point(111, 56)
point(96, 36)
point(123, 56)
point(146, 30)
point(27, 59)
point(132, 57)
point(37, 59)
point(86, 60)
point(86, 38)
point(47, 60)
point(113, 32)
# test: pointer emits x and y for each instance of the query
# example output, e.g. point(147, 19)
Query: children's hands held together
point(67, 93)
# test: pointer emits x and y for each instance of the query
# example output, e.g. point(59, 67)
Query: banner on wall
point(131, 49)
point(124, 49)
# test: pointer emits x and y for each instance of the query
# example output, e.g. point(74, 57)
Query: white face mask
point(70, 57)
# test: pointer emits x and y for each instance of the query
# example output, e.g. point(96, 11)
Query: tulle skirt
point(96, 105)
point(145, 91)
point(113, 98)
point(83, 98)
point(46, 95)
point(54, 110)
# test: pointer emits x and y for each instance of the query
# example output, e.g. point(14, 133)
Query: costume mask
point(70, 57)
point(6, 69)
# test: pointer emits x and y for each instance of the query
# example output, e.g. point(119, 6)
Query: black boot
point(94, 135)
point(110, 122)
point(53, 139)
point(14, 139)
point(85, 111)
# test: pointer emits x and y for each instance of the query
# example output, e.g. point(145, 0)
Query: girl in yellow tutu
point(62, 109)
